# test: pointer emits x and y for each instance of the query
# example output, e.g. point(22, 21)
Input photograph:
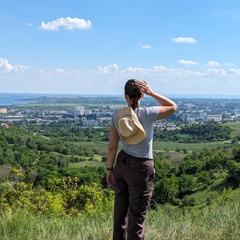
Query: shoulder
point(148, 110)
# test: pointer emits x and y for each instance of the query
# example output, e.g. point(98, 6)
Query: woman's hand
point(110, 178)
point(144, 87)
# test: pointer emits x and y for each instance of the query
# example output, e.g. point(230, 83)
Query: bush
point(83, 199)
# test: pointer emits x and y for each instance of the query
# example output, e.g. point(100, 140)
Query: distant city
point(96, 110)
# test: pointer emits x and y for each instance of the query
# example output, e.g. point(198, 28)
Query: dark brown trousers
point(133, 178)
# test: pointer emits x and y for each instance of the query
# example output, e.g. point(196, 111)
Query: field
point(173, 146)
point(219, 221)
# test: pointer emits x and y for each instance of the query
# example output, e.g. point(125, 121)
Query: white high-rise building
point(78, 110)
point(3, 110)
point(215, 117)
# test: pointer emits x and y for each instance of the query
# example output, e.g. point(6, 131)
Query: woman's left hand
point(144, 87)
point(110, 178)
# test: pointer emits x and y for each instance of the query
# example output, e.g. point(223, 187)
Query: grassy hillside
point(219, 221)
point(236, 128)
point(209, 210)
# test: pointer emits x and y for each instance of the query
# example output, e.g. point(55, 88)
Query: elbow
point(112, 148)
point(175, 106)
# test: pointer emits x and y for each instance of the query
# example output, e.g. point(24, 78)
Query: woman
point(133, 174)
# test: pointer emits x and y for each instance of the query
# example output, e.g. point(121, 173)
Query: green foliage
point(162, 168)
point(195, 133)
point(166, 190)
point(204, 177)
point(22, 196)
point(84, 199)
point(190, 166)
point(35, 154)
point(217, 221)
point(236, 154)
point(73, 200)
point(234, 172)
point(86, 174)
point(38, 175)
point(48, 155)
point(197, 171)
point(187, 183)
point(188, 201)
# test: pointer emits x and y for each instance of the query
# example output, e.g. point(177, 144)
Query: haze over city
point(93, 47)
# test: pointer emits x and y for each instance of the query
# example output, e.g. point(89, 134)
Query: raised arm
point(167, 106)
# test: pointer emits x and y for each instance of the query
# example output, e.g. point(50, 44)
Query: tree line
point(195, 133)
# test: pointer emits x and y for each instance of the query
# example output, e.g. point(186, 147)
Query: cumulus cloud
point(134, 69)
point(59, 70)
point(187, 63)
point(164, 79)
point(146, 46)
point(234, 71)
point(159, 67)
point(29, 24)
point(6, 67)
point(184, 40)
point(229, 64)
point(110, 68)
point(66, 23)
point(213, 64)
point(217, 71)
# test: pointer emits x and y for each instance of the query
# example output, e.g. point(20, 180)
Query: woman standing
point(133, 175)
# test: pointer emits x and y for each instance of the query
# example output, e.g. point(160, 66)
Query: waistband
point(126, 155)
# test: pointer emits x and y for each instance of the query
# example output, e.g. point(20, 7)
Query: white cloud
point(5, 66)
point(66, 23)
point(59, 70)
point(146, 46)
point(217, 71)
point(134, 69)
point(187, 63)
point(110, 68)
point(229, 64)
point(213, 64)
point(29, 24)
point(184, 40)
point(110, 79)
point(159, 67)
point(235, 71)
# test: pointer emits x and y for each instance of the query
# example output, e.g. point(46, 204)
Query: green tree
point(234, 171)
point(187, 183)
point(204, 177)
point(166, 190)
point(189, 166)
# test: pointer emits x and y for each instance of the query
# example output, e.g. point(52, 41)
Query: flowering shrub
point(85, 199)
point(71, 201)
point(23, 196)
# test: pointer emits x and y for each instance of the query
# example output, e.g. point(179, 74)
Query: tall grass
point(210, 223)
point(26, 226)
point(220, 221)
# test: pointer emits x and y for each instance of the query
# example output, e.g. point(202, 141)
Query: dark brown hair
point(133, 91)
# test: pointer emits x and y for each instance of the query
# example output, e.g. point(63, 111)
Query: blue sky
point(95, 46)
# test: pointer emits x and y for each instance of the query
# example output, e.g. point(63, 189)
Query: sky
point(95, 46)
